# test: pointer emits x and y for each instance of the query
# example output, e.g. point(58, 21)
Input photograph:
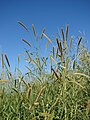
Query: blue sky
point(51, 14)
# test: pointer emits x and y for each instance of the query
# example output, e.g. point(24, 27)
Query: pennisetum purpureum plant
point(52, 88)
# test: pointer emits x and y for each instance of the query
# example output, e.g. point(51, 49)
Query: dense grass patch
point(39, 94)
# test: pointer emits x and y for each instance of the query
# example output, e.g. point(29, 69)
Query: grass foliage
point(61, 94)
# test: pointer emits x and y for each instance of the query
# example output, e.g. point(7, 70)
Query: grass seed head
point(23, 25)
point(66, 32)
point(28, 92)
point(34, 31)
point(42, 33)
point(79, 41)
point(60, 48)
point(71, 43)
point(62, 30)
point(26, 42)
point(7, 60)
point(2, 61)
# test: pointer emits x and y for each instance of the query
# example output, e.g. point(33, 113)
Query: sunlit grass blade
point(53, 105)
point(4, 81)
point(37, 99)
point(51, 58)
point(28, 68)
point(82, 74)
point(44, 114)
point(46, 37)
point(75, 82)
point(88, 106)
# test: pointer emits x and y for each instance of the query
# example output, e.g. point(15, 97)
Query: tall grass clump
point(54, 87)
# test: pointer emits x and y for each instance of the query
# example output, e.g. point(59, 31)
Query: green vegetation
point(60, 94)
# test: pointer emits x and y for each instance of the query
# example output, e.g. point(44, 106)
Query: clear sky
point(51, 14)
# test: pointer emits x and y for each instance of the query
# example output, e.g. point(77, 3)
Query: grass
point(62, 94)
